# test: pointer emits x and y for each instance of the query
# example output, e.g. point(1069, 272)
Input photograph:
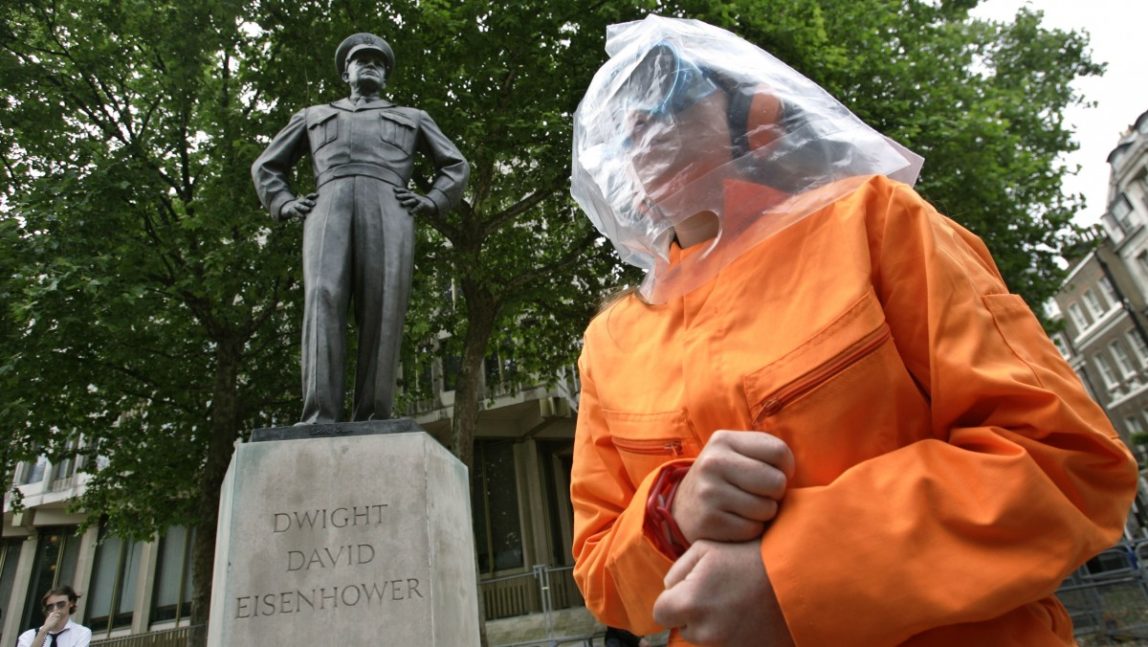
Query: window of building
point(9, 558)
point(1134, 425)
point(57, 551)
point(500, 372)
point(114, 576)
point(1079, 319)
point(70, 464)
point(1122, 211)
point(1127, 368)
point(451, 363)
point(497, 528)
point(1108, 291)
point(171, 598)
point(1061, 344)
point(34, 472)
point(1138, 346)
point(416, 380)
point(1095, 306)
point(1106, 371)
point(556, 457)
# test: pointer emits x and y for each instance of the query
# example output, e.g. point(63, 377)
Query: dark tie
point(53, 637)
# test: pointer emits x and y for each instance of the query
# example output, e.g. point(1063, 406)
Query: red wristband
point(660, 526)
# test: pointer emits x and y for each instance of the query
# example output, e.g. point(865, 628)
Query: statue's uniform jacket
point(358, 240)
point(951, 470)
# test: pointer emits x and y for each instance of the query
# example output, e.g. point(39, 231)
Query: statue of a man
point(358, 230)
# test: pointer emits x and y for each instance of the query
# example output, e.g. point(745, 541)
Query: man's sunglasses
point(52, 606)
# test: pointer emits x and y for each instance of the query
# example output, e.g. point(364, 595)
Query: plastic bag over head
point(685, 119)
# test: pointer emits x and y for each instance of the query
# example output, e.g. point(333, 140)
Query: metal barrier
point(569, 641)
point(543, 590)
point(513, 595)
point(1107, 598)
point(165, 638)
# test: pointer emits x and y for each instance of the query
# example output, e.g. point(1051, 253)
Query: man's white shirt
point(72, 635)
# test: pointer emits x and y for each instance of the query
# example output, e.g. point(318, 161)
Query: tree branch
point(522, 206)
point(537, 275)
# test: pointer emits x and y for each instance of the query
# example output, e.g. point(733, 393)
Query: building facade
point(521, 508)
point(1104, 335)
point(1103, 304)
point(1103, 299)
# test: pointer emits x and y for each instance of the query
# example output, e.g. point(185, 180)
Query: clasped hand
point(733, 488)
point(415, 203)
point(719, 593)
point(298, 208)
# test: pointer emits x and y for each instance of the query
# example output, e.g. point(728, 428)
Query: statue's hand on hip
point(413, 202)
point(298, 208)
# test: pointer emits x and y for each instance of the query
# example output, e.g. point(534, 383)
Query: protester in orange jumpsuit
point(823, 420)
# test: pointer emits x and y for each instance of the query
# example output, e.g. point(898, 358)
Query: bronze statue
point(358, 229)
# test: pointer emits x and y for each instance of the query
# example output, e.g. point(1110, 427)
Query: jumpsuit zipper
point(777, 400)
point(651, 446)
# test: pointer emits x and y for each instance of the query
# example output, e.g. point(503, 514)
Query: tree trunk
point(481, 313)
point(225, 424)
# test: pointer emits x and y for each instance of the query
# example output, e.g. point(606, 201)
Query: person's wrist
point(660, 525)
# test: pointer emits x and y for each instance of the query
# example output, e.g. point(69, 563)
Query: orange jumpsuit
point(951, 469)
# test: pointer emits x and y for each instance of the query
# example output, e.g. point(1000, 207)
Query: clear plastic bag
point(684, 116)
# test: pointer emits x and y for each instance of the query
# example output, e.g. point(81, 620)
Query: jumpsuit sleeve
point(618, 569)
point(271, 168)
point(451, 168)
point(1020, 479)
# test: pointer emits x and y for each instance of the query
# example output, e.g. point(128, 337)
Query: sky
point(1117, 37)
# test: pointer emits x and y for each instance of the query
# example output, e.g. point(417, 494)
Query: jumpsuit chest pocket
point(645, 441)
point(840, 398)
point(397, 129)
point(322, 128)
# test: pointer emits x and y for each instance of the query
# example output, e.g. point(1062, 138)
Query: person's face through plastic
point(676, 125)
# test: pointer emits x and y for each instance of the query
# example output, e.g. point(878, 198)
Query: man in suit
point(358, 230)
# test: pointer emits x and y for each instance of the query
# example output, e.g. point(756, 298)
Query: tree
point(152, 308)
point(152, 317)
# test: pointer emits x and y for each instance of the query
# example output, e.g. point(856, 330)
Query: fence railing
point(542, 590)
point(1107, 598)
point(165, 638)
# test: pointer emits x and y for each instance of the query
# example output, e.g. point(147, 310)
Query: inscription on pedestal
point(329, 559)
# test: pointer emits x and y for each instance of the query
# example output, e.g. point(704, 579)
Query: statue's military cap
point(360, 41)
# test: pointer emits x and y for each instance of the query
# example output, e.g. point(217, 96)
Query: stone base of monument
point(346, 534)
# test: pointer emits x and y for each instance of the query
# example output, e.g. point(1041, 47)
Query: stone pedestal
point(356, 534)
